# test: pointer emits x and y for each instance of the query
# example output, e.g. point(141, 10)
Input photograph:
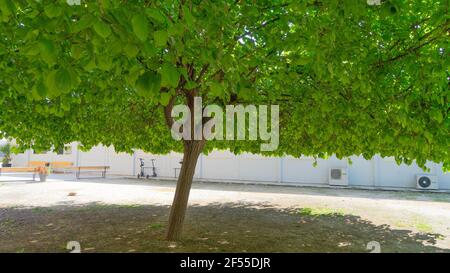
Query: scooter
point(142, 174)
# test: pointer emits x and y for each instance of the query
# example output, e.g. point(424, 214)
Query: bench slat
point(90, 167)
point(17, 169)
point(61, 164)
point(37, 163)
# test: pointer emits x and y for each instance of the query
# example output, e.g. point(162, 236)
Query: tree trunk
point(192, 150)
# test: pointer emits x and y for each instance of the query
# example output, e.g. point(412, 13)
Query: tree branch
point(202, 73)
point(413, 49)
point(168, 112)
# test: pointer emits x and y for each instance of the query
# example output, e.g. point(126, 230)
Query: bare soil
point(214, 228)
point(257, 225)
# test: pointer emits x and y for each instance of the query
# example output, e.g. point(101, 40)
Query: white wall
point(224, 166)
point(165, 164)
point(120, 163)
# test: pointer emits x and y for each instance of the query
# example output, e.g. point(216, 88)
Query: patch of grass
point(438, 197)
point(131, 206)
point(156, 226)
point(423, 227)
point(94, 207)
point(7, 223)
point(110, 206)
point(40, 209)
point(320, 211)
point(417, 223)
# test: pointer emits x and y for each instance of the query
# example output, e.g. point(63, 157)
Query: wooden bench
point(79, 169)
point(37, 164)
point(19, 170)
point(61, 166)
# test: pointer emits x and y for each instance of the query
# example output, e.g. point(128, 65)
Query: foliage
point(6, 150)
point(350, 78)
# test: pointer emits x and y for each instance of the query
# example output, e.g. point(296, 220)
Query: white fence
point(224, 166)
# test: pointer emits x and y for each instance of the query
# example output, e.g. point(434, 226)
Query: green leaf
point(437, 115)
point(169, 75)
point(106, 4)
point(91, 65)
point(31, 49)
point(148, 84)
point(188, 16)
point(75, 79)
point(140, 26)
point(191, 85)
point(62, 80)
point(245, 91)
point(76, 51)
point(428, 136)
point(39, 90)
point(216, 89)
point(104, 62)
point(176, 29)
point(102, 29)
point(7, 9)
point(52, 11)
point(86, 21)
point(160, 38)
point(3, 50)
point(131, 50)
point(165, 98)
point(184, 73)
point(48, 51)
point(303, 60)
point(156, 15)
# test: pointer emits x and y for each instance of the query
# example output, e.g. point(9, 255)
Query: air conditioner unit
point(338, 177)
point(427, 182)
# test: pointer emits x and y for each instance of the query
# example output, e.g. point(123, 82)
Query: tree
point(5, 149)
point(350, 78)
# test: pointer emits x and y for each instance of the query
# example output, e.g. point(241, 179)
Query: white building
point(224, 166)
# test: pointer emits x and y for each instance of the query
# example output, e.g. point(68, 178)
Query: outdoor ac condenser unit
point(427, 182)
point(338, 177)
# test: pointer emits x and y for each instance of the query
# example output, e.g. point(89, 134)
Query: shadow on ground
point(231, 227)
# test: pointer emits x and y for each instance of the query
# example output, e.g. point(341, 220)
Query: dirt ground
point(126, 215)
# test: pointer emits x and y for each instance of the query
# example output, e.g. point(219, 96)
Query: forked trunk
point(192, 150)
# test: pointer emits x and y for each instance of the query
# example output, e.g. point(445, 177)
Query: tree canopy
point(350, 78)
